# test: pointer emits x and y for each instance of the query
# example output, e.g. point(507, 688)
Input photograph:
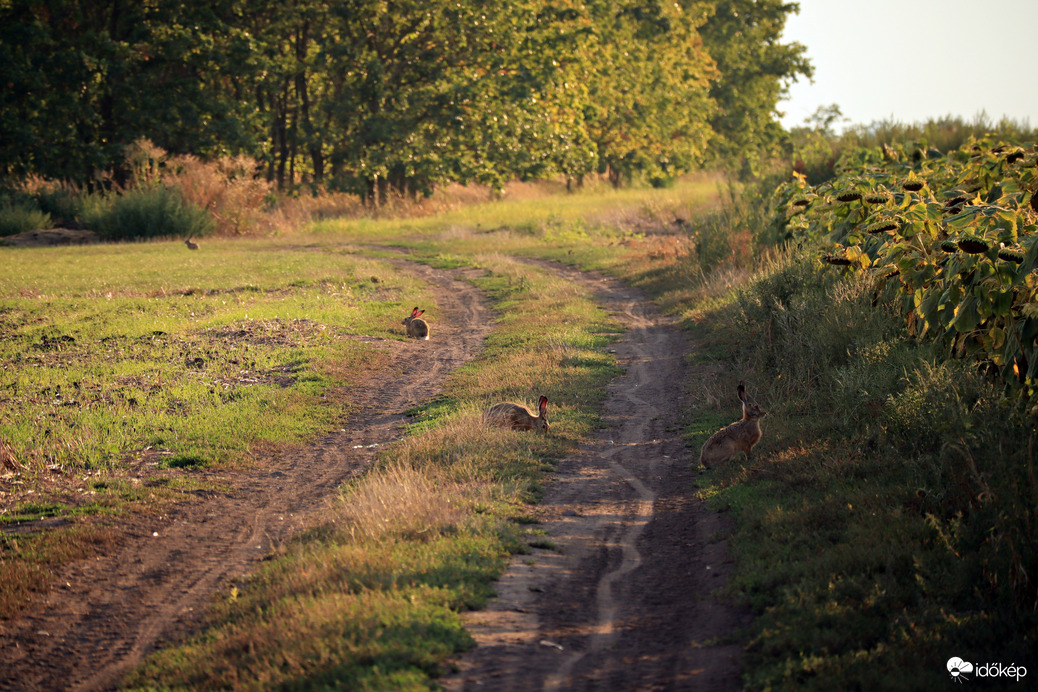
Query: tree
point(85, 78)
point(281, 78)
point(649, 74)
point(743, 36)
point(425, 91)
point(374, 96)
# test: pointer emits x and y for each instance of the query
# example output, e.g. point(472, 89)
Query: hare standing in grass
point(740, 436)
point(416, 327)
point(518, 417)
point(191, 245)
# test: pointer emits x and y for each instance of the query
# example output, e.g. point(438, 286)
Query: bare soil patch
point(104, 614)
point(51, 236)
point(625, 597)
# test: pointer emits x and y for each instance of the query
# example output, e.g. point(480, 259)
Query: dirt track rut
point(623, 600)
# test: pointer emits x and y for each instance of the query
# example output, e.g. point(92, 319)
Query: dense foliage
point(815, 146)
point(956, 235)
point(744, 39)
point(377, 95)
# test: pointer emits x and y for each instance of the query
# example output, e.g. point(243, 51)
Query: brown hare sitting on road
point(416, 327)
point(740, 436)
point(518, 417)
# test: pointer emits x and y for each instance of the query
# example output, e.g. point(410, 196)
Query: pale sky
point(911, 60)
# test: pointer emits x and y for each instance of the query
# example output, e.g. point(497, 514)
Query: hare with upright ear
point(415, 327)
point(518, 417)
point(740, 436)
point(191, 245)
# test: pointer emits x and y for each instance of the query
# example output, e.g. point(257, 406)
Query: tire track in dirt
point(105, 614)
point(606, 602)
point(624, 601)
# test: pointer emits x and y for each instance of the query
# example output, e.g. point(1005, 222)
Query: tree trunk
point(282, 136)
point(312, 139)
point(383, 190)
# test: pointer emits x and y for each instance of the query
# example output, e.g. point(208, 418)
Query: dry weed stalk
point(8, 461)
point(229, 188)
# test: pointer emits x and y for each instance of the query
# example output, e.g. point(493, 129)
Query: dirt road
point(106, 614)
point(622, 602)
point(623, 599)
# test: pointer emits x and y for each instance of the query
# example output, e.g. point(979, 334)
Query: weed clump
point(155, 196)
point(147, 212)
point(18, 217)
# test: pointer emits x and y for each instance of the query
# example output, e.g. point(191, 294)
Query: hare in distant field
point(740, 436)
point(191, 245)
point(518, 417)
point(416, 327)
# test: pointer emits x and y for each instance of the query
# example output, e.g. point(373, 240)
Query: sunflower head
point(973, 245)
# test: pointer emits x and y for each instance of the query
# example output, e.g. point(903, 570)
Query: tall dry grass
point(230, 189)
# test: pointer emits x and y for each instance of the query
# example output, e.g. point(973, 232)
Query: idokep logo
point(960, 670)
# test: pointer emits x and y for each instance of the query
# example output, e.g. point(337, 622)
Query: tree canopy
point(377, 95)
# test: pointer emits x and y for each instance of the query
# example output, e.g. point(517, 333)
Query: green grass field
point(115, 348)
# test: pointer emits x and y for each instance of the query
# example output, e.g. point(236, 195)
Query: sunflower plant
point(953, 236)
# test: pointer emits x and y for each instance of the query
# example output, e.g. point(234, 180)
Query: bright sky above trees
point(911, 60)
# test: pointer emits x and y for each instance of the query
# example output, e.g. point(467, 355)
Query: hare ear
point(542, 404)
point(742, 392)
point(414, 313)
point(419, 313)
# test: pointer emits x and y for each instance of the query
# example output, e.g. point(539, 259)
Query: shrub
point(146, 212)
point(64, 204)
point(17, 218)
point(227, 188)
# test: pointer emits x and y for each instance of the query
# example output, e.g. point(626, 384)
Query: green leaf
point(1002, 304)
point(967, 317)
point(996, 339)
